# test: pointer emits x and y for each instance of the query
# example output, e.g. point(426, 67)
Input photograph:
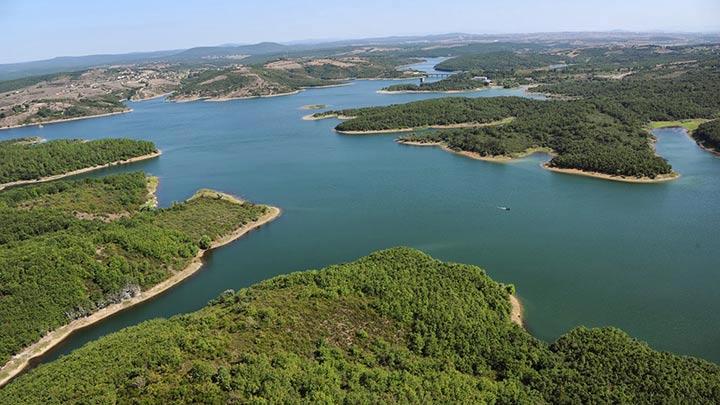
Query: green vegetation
point(583, 135)
point(213, 83)
point(396, 326)
point(644, 96)
point(708, 135)
point(456, 82)
point(105, 196)
point(502, 63)
point(69, 248)
point(30, 161)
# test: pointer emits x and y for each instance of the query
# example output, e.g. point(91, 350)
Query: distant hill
point(266, 49)
point(205, 52)
point(71, 63)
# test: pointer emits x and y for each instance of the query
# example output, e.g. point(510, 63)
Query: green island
point(581, 135)
point(75, 251)
point(455, 83)
point(27, 160)
point(395, 326)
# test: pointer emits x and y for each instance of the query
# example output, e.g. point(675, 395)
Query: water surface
point(581, 251)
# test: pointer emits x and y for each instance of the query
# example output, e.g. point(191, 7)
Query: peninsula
point(395, 326)
point(123, 252)
point(33, 160)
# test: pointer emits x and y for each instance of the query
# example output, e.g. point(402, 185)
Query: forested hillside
point(583, 134)
point(284, 75)
point(502, 63)
point(69, 248)
point(30, 159)
point(396, 326)
point(708, 135)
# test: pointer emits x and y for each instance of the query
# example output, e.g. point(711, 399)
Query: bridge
point(440, 75)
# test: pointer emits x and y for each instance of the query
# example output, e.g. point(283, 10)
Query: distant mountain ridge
point(208, 53)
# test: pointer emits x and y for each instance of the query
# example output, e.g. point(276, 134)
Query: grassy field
point(690, 125)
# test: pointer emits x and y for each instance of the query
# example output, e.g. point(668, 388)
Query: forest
point(69, 248)
point(396, 326)
point(708, 135)
point(584, 135)
point(502, 63)
point(30, 159)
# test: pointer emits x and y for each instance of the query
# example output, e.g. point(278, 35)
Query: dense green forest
point(583, 134)
point(104, 196)
point(69, 248)
point(27, 160)
point(396, 326)
point(502, 63)
point(456, 82)
point(645, 96)
point(708, 134)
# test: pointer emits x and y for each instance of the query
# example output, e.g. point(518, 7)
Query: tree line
point(33, 160)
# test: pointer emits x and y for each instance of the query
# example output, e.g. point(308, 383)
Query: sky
point(41, 29)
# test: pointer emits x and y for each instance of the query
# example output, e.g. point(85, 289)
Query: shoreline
point(58, 121)
point(624, 179)
point(516, 311)
point(312, 117)
point(223, 99)
point(81, 171)
point(531, 151)
point(20, 361)
point(390, 131)
point(477, 156)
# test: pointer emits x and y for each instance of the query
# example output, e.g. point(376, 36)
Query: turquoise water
point(581, 251)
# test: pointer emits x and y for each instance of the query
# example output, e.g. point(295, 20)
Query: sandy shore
point(516, 311)
point(80, 171)
point(448, 126)
point(21, 360)
point(327, 86)
point(477, 156)
point(379, 131)
point(68, 119)
point(438, 91)
point(531, 151)
point(222, 99)
point(312, 117)
point(659, 179)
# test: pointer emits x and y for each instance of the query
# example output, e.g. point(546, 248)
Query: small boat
point(504, 208)
point(40, 125)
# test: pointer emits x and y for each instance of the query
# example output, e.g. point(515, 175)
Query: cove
point(580, 251)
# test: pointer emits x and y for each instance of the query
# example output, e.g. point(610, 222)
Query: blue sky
point(38, 29)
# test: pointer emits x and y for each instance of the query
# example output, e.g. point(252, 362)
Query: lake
point(581, 251)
